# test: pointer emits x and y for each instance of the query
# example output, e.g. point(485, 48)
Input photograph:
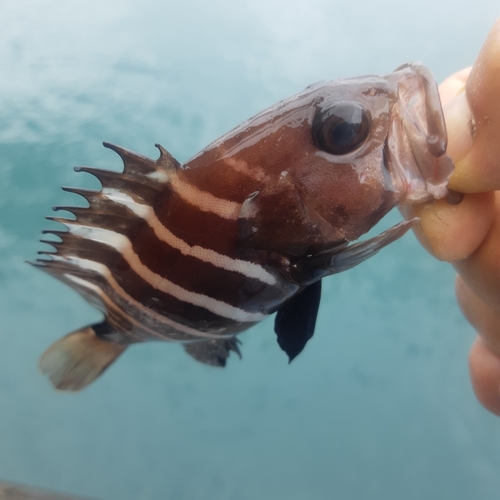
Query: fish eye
point(341, 128)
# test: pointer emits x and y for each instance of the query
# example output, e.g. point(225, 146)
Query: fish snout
point(424, 167)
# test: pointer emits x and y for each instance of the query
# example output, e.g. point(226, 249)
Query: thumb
point(478, 163)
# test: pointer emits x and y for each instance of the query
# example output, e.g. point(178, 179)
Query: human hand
point(468, 234)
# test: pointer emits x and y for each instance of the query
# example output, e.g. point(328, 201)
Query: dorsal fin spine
point(166, 160)
point(125, 154)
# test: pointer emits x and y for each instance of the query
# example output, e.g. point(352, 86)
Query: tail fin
point(77, 359)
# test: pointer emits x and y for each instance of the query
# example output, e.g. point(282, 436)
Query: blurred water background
point(378, 406)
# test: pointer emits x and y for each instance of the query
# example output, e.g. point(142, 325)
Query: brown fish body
point(249, 226)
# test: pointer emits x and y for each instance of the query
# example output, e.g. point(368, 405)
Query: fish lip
point(415, 148)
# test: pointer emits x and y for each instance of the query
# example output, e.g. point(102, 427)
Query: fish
point(199, 252)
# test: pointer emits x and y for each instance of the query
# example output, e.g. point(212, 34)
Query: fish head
point(348, 150)
point(375, 142)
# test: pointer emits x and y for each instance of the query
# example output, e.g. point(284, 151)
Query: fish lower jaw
point(419, 187)
point(411, 179)
point(419, 191)
point(437, 191)
point(409, 184)
point(432, 172)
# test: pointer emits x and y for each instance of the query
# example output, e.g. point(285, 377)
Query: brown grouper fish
point(199, 252)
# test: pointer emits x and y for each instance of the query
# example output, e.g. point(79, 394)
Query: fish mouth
point(415, 148)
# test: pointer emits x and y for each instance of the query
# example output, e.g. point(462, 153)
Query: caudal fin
point(77, 359)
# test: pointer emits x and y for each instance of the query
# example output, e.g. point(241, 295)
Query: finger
point(484, 368)
point(484, 357)
point(459, 126)
point(453, 85)
point(479, 170)
point(484, 318)
point(481, 270)
point(453, 232)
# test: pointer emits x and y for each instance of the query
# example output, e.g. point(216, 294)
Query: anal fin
point(213, 352)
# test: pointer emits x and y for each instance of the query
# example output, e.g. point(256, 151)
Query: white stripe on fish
point(248, 269)
point(110, 305)
point(203, 200)
point(256, 173)
point(105, 272)
point(123, 245)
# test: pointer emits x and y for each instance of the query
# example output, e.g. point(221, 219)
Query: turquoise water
point(379, 404)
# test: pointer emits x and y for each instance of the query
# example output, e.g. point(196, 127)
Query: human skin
point(467, 234)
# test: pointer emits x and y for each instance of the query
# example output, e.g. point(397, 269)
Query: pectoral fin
point(296, 319)
point(314, 267)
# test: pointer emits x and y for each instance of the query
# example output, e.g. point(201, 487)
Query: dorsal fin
point(118, 208)
point(136, 165)
point(91, 195)
point(166, 160)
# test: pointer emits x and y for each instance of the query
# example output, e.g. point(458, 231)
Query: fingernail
point(459, 126)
